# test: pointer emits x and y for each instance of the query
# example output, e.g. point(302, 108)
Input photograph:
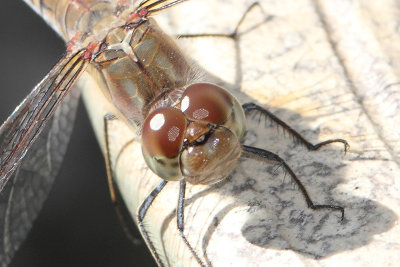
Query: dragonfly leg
point(251, 107)
point(119, 205)
point(140, 217)
point(180, 220)
point(235, 33)
point(261, 154)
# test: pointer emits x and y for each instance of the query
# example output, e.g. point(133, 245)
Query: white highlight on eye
point(185, 103)
point(157, 122)
point(173, 133)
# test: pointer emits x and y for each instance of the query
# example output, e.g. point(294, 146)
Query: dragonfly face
point(199, 138)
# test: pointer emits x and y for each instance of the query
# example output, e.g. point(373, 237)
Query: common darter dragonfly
point(93, 52)
point(80, 190)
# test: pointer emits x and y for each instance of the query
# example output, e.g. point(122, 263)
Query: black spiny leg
point(234, 34)
point(140, 217)
point(253, 152)
point(180, 220)
point(250, 107)
point(119, 205)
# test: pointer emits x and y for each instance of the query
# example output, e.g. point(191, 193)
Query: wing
point(155, 6)
point(29, 186)
point(20, 130)
point(40, 127)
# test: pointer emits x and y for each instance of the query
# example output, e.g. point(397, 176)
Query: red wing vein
point(20, 130)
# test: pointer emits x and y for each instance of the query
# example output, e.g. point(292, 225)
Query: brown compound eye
point(206, 102)
point(162, 132)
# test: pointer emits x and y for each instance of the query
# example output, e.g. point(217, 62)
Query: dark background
point(77, 225)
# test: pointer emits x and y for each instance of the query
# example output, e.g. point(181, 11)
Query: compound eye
point(206, 102)
point(162, 132)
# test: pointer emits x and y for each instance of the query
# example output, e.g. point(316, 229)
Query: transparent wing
point(30, 184)
point(156, 6)
point(20, 130)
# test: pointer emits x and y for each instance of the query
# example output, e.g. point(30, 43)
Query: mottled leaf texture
point(27, 189)
point(330, 70)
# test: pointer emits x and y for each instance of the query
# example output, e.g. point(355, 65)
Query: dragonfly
point(160, 98)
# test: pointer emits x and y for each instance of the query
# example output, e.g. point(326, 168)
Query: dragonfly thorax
point(189, 130)
point(197, 139)
point(138, 65)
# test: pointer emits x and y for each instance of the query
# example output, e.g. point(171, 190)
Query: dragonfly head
point(198, 139)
